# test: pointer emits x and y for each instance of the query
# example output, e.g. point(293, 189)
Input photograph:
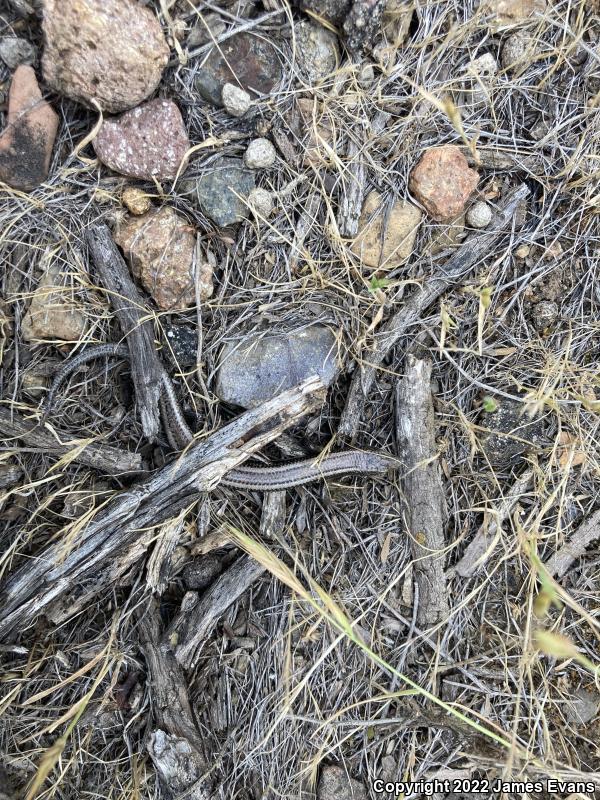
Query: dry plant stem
point(469, 255)
point(199, 614)
point(422, 488)
point(175, 744)
point(305, 222)
point(146, 369)
point(565, 557)
point(480, 548)
point(102, 457)
point(119, 532)
point(354, 184)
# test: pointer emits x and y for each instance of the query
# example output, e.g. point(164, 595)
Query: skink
point(266, 479)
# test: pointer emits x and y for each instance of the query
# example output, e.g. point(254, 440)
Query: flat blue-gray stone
point(257, 369)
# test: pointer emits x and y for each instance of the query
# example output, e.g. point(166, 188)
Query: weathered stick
point(466, 257)
point(484, 541)
point(129, 305)
point(199, 615)
point(353, 186)
point(119, 530)
point(558, 564)
point(109, 460)
point(422, 488)
point(175, 744)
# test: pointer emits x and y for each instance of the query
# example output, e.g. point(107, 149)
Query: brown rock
point(146, 142)
point(109, 51)
point(442, 182)
point(508, 13)
point(386, 240)
point(26, 142)
point(52, 313)
point(160, 248)
point(244, 60)
point(136, 201)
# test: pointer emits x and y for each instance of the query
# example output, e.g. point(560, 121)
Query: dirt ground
point(162, 635)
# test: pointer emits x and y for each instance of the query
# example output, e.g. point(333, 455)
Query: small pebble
point(236, 101)
point(135, 200)
point(261, 201)
point(544, 314)
point(479, 215)
point(366, 76)
point(522, 251)
point(515, 49)
point(260, 154)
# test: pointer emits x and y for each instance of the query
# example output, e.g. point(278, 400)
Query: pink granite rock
point(442, 182)
point(147, 142)
point(26, 142)
point(111, 52)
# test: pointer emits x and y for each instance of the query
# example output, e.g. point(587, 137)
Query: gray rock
point(236, 101)
point(511, 434)
point(316, 50)
point(261, 367)
point(243, 60)
point(334, 784)
point(15, 51)
point(583, 707)
point(215, 192)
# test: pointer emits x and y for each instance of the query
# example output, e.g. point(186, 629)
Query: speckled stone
point(244, 60)
point(216, 191)
point(316, 50)
point(335, 784)
point(182, 341)
point(136, 200)
point(260, 367)
point(511, 433)
point(27, 141)
point(201, 572)
point(442, 182)
point(160, 248)
point(147, 142)
point(112, 52)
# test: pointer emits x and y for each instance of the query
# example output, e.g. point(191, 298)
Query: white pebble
point(479, 215)
point(260, 154)
point(235, 100)
point(261, 201)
